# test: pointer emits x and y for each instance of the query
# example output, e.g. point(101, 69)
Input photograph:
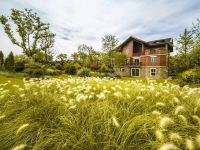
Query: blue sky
point(87, 21)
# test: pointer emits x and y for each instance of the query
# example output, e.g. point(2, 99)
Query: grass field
point(94, 113)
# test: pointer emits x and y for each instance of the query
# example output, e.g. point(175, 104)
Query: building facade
point(146, 59)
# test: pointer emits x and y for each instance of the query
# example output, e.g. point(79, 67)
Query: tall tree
point(185, 44)
point(196, 31)
point(34, 35)
point(62, 58)
point(9, 62)
point(1, 60)
point(109, 43)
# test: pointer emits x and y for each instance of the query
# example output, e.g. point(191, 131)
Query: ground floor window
point(135, 72)
point(152, 71)
point(122, 69)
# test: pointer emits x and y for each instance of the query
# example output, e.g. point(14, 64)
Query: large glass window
point(154, 59)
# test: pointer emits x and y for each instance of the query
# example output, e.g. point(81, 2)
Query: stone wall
point(161, 72)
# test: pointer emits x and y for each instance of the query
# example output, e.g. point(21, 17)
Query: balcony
point(133, 63)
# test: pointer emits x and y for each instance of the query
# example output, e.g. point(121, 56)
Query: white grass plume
point(156, 112)
point(179, 109)
point(175, 137)
point(115, 122)
point(189, 144)
point(198, 140)
point(21, 128)
point(159, 135)
point(160, 104)
point(165, 122)
point(196, 118)
point(183, 119)
point(2, 117)
point(19, 147)
point(168, 146)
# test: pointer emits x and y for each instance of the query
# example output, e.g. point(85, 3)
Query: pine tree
point(185, 44)
point(9, 62)
point(1, 60)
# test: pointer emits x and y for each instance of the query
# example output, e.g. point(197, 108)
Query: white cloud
point(86, 21)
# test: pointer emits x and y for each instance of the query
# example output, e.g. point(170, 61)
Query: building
point(146, 59)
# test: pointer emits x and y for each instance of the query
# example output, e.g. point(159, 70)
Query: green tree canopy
point(34, 35)
point(9, 62)
point(1, 60)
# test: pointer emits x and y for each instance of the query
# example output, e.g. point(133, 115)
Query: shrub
point(96, 74)
point(59, 66)
point(19, 66)
point(52, 72)
point(71, 70)
point(105, 69)
point(34, 69)
point(191, 75)
point(84, 72)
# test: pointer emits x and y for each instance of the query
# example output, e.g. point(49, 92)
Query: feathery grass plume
point(179, 109)
point(140, 98)
point(196, 118)
point(183, 119)
point(160, 104)
point(198, 140)
point(168, 146)
point(165, 122)
point(155, 112)
point(101, 96)
point(159, 135)
point(21, 128)
point(115, 122)
point(2, 117)
point(175, 137)
point(176, 100)
point(19, 147)
point(189, 144)
point(118, 94)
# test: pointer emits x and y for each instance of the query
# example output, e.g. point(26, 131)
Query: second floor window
point(154, 59)
point(136, 61)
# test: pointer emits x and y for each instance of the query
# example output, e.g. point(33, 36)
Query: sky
point(78, 22)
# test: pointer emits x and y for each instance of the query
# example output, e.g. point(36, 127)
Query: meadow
point(98, 113)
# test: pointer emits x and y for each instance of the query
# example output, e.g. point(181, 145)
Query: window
point(152, 71)
point(153, 59)
point(135, 72)
point(136, 61)
point(122, 69)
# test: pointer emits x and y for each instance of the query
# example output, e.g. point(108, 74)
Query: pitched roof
point(160, 42)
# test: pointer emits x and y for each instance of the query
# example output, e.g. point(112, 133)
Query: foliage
point(62, 58)
point(20, 61)
point(52, 72)
point(109, 43)
point(105, 69)
point(119, 59)
point(10, 62)
point(84, 72)
point(35, 69)
point(191, 75)
point(95, 113)
point(34, 34)
point(1, 60)
point(71, 69)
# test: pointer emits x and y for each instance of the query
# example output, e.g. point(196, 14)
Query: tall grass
point(93, 113)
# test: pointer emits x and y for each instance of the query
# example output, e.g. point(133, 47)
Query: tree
point(109, 43)
point(35, 36)
point(184, 45)
point(9, 62)
point(62, 58)
point(1, 60)
point(196, 32)
point(119, 59)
